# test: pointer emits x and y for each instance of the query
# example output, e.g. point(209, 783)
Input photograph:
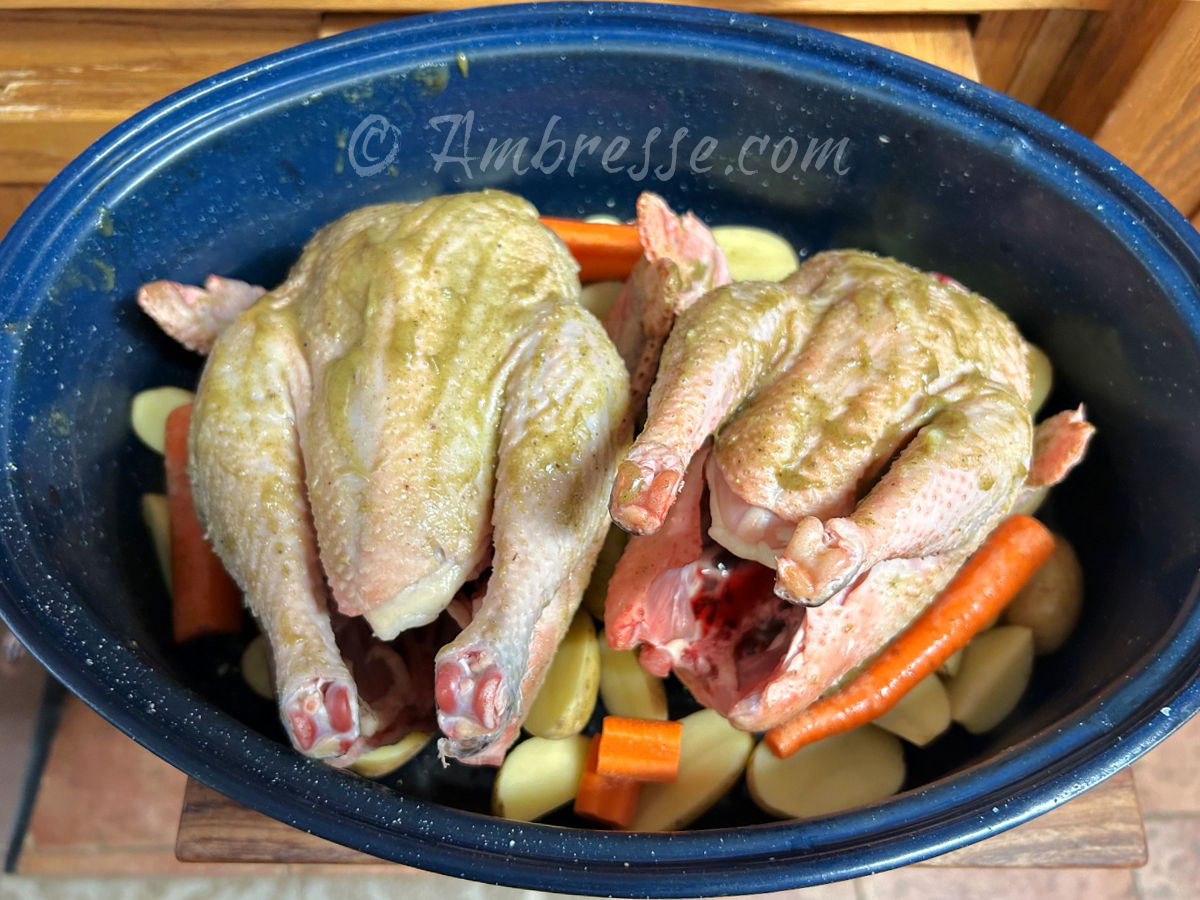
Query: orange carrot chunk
point(204, 599)
point(612, 801)
point(603, 250)
point(641, 749)
point(974, 597)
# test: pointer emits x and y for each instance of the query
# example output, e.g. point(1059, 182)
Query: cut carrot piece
point(603, 250)
point(974, 597)
point(603, 798)
point(641, 749)
point(204, 599)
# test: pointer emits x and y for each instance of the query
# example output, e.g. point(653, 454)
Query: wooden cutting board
point(1101, 828)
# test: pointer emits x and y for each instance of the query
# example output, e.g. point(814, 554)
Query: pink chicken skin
point(820, 456)
point(422, 403)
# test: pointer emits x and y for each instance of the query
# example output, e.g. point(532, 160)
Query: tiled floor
point(128, 851)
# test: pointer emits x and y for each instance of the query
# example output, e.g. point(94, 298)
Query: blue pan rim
point(1039, 774)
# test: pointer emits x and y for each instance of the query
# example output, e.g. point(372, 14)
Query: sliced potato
point(568, 695)
point(538, 776)
point(755, 254)
point(602, 219)
point(149, 410)
point(626, 689)
point(256, 668)
point(950, 667)
point(840, 772)
point(599, 296)
point(385, 760)
point(712, 757)
point(156, 513)
point(597, 589)
point(995, 671)
point(1051, 601)
point(1041, 377)
point(921, 715)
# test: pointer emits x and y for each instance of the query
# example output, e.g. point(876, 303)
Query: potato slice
point(1041, 377)
point(538, 776)
point(840, 772)
point(921, 715)
point(1051, 601)
point(385, 760)
point(626, 689)
point(994, 673)
point(599, 296)
point(149, 410)
point(256, 668)
point(755, 254)
point(156, 513)
point(597, 590)
point(950, 667)
point(568, 695)
point(712, 758)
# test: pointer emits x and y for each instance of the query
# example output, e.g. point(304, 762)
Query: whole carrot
point(975, 596)
point(603, 250)
point(204, 599)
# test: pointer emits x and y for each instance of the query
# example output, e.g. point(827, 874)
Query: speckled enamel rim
point(1011, 787)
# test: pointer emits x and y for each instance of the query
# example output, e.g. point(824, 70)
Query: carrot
point(641, 749)
point(973, 598)
point(204, 599)
point(612, 801)
point(603, 250)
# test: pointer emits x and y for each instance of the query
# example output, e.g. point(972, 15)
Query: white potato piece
point(256, 667)
point(1051, 601)
point(568, 695)
point(713, 755)
point(149, 410)
point(599, 296)
point(950, 667)
point(755, 254)
point(840, 772)
point(597, 590)
point(1041, 376)
point(626, 689)
point(385, 760)
point(156, 513)
point(921, 715)
point(995, 671)
point(538, 776)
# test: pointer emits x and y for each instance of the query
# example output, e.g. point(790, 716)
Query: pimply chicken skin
point(423, 398)
point(869, 425)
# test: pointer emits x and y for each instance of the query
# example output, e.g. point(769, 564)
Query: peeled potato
point(755, 254)
point(712, 758)
point(568, 695)
point(921, 715)
point(599, 297)
point(156, 513)
point(995, 671)
point(149, 410)
point(256, 668)
point(1041, 377)
point(1051, 601)
point(538, 776)
point(626, 689)
point(385, 760)
point(606, 562)
point(839, 772)
point(950, 667)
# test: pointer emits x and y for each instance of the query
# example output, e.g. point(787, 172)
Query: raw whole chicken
point(421, 403)
point(819, 457)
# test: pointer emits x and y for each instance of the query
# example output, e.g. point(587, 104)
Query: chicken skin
point(421, 403)
point(856, 431)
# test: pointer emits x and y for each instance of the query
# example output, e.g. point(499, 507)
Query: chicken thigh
point(855, 432)
point(421, 402)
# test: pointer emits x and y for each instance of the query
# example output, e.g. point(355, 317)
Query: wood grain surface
point(1102, 827)
point(770, 7)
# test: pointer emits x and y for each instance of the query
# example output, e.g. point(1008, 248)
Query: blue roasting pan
point(829, 141)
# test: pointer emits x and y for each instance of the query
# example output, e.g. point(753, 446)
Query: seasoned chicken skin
point(421, 400)
point(869, 426)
